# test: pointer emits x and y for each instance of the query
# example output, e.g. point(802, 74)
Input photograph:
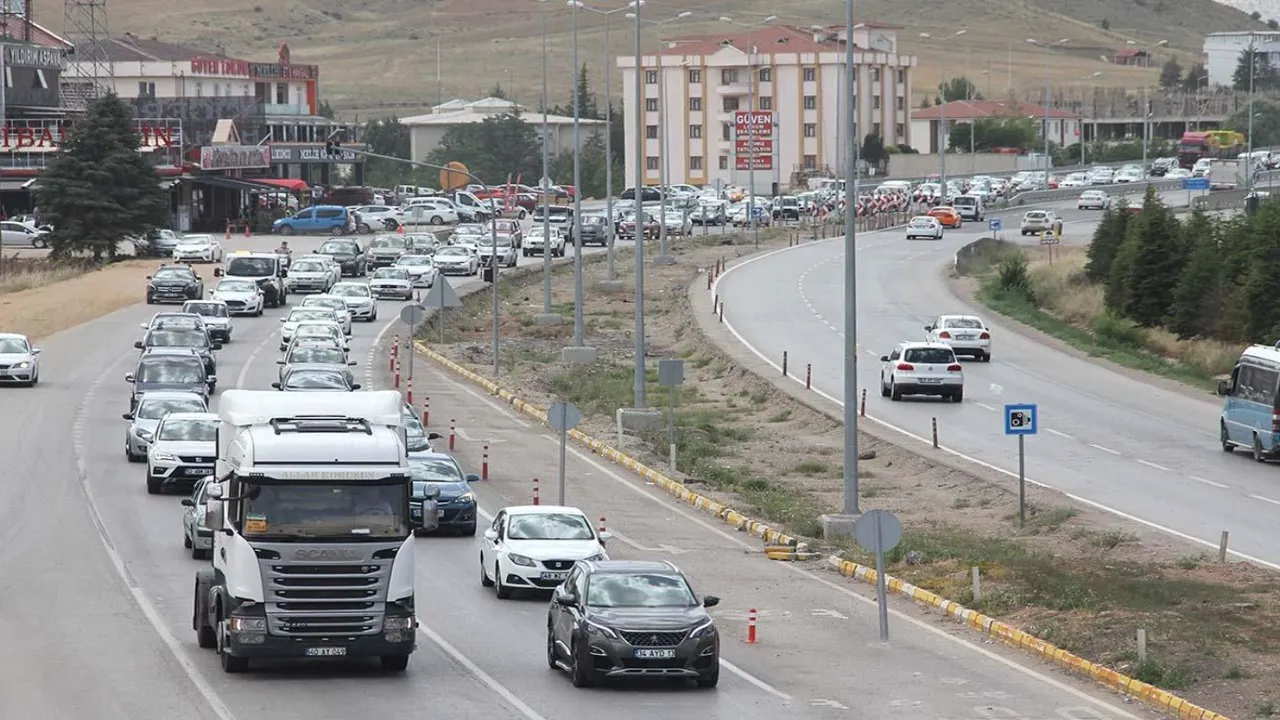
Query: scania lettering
point(313, 547)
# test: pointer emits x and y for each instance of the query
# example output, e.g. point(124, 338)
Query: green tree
point(99, 188)
point(1266, 122)
point(1265, 77)
point(1198, 296)
point(1262, 309)
point(1171, 74)
point(387, 136)
point(991, 133)
point(327, 111)
point(588, 105)
point(1195, 78)
point(1107, 239)
point(959, 88)
point(1153, 257)
point(594, 166)
point(498, 92)
point(873, 152)
point(493, 149)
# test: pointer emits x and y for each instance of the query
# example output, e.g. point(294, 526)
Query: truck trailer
point(312, 548)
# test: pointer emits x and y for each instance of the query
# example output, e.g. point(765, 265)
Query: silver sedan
point(151, 409)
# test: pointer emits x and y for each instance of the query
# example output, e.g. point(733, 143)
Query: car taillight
point(944, 335)
point(954, 368)
point(984, 336)
point(1275, 422)
point(906, 367)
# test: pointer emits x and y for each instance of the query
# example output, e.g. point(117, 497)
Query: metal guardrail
point(1130, 188)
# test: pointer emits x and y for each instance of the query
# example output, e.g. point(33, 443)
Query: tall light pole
point(1083, 161)
point(612, 276)
point(945, 140)
point(664, 255)
point(641, 402)
point(850, 505)
point(579, 353)
point(545, 183)
point(1045, 46)
point(1146, 109)
point(1253, 73)
point(751, 139)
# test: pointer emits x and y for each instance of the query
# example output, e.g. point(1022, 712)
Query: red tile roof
point(771, 39)
point(14, 26)
point(969, 110)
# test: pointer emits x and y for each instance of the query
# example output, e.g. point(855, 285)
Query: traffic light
point(333, 148)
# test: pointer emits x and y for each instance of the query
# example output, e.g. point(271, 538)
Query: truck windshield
point(251, 267)
point(330, 510)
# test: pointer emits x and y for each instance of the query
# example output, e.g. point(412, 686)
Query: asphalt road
point(98, 591)
point(1105, 437)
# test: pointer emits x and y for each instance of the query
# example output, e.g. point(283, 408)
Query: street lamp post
point(1146, 111)
point(641, 402)
point(579, 353)
point(1083, 161)
point(1253, 73)
point(751, 139)
point(1045, 46)
point(850, 504)
point(945, 140)
point(544, 184)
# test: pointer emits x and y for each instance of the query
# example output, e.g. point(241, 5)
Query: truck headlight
point(398, 623)
point(248, 624)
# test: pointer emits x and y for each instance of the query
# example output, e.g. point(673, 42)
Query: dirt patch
point(39, 299)
point(1072, 576)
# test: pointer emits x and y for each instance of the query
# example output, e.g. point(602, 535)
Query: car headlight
point(465, 498)
point(597, 556)
point(22, 365)
point(142, 434)
point(248, 624)
point(521, 560)
point(706, 629)
point(596, 628)
point(163, 457)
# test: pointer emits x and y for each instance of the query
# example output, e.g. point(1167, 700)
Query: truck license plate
point(554, 575)
point(326, 651)
point(652, 654)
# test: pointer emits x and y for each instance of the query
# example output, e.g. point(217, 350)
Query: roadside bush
point(1012, 276)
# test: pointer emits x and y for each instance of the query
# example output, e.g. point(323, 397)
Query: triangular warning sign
point(441, 295)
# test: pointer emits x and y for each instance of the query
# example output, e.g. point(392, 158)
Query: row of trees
point(1204, 276)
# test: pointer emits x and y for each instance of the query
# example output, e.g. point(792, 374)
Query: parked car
point(318, 219)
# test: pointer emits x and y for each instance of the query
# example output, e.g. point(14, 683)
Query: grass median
point(39, 297)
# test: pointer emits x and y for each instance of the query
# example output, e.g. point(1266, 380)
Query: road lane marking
point(1150, 464)
point(498, 688)
point(961, 455)
point(1051, 431)
point(248, 362)
point(1104, 449)
point(1207, 482)
point(984, 406)
point(1266, 499)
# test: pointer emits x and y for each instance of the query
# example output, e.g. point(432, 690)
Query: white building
point(1222, 52)
point(695, 88)
point(426, 131)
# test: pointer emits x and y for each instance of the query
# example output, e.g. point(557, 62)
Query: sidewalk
point(818, 632)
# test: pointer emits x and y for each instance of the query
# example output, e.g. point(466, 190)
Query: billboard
point(234, 157)
point(753, 139)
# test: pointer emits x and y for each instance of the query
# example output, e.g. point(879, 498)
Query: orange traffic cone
point(228, 231)
point(246, 229)
point(400, 228)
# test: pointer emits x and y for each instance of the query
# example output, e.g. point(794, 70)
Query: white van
point(970, 207)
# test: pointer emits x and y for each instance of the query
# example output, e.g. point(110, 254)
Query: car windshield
point(236, 286)
point(157, 409)
point(171, 274)
point(394, 273)
point(639, 590)
point(317, 355)
point(441, 471)
point(549, 526)
point(926, 356)
point(331, 303)
point(921, 222)
point(414, 260)
point(963, 323)
point(302, 314)
point(13, 345)
point(314, 510)
point(190, 430)
point(455, 251)
point(386, 241)
point(313, 329)
point(498, 240)
point(177, 338)
point(206, 309)
point(338, 248)
point(308, 266)
point(351, 290)
point(199, 240)
point(251, 267)
point(316, 380)
point(177, 372)
point(1035, 216)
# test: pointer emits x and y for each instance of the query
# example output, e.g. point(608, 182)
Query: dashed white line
point(1096, 446)
point(1051, 431)
point(1150, 464)
point(984, 406)
point(1265, 499)
point(1207, 482)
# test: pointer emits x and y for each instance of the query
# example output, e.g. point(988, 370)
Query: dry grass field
point(379, 57)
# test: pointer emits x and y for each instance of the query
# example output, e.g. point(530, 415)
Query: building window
point(724, 162)
point(726, 131)
point(766, 74)
point(695, 131)
point(810, 102)
point(651, 132)
point(695, 163)
point(217, 90)
point(695, 77)
point(902, 77)
point(651, 163)
point(875, 102)
point(810, 162)
point(146, 89)
point(8, 76)
point(810, 130)
point(245, 90)
point(728, 76)
point(875, 74)
point(766, 102)
point(695, 104)
point(900, 130)
point(282, 93)
point(875, 129)
point(199, 89)
point(810, 74)
point(730, 104)
point(651, 77)
point(651, 104)
point(898, 103)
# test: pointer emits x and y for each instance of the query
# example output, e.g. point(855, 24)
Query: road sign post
point(441, 296)
point(563, 417)
point(995, 225)
point(671, 375)
point(412, 315)
point(1194, 183)
point(879, 531)
point(1021, 420)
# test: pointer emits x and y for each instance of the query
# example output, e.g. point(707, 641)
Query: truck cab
point(313, 550)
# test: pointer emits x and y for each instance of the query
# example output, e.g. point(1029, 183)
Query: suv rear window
point(929, 356)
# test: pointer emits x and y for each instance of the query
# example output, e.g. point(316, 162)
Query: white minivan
point(970, 207)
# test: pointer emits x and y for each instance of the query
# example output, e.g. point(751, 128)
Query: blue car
point(456, 504)
point(318, 219)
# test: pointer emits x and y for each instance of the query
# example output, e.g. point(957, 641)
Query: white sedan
point(964, 334)
point(924, 226)
point(359, 299)
point(391, 282)
point(533, 547)
point(327, 260)
point(300, 315)
point(198, 248)
point(335, 303)
point(421, 269)
point(243, 297)
point(183, 450)
point(1093, 200)
point(19, 362)
point(456, 260)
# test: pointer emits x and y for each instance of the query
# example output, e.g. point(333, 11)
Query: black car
point(169, 369)
point(438, 477)
point(647, 194)
point(195, 339)
point(631, 618)
point(348, 254)
point(174, 283)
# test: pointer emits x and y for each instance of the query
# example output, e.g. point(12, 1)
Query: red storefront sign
point(219, 66)
point(46, 135)
point(760, 162)
point(753, 123)
point(753, 143)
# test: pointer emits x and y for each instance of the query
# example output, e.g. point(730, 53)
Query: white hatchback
point(964, 334)
point(921, 368)
point(924, 226)
point(533, 547)
point(1093, 200)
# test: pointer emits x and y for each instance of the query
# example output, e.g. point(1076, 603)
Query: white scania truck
point(312, 546)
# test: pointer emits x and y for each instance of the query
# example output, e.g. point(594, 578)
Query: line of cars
point(931, 367)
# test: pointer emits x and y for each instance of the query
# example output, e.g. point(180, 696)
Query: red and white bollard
point(246, 229)
point(484, 463)
point(453, 431)
point(808, 376)
point(751, 626)
point(409, 394)
point(426, 411)
point(397, 362)
point(601, 530)
point(228, 237)
point(395, 355)
point(536, 501)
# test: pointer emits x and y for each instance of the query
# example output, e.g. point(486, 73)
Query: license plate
point(326, 652)
point(199, 471)
point(930, 381)
point(554, 575)
point(965, 336)
point(654, 654)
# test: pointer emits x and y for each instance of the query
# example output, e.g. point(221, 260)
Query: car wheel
point(286, 230)
point(154, 485)
point(364, 228)
point(894, 392)
point(710, 678)
point(581, 676)
point(884, 389)
point(485, 580)
point(1224, 438)
point(436, 220)
point(986, 357)
point(957, 396)
point(468, 530)
point(186, 540)
point(335, 231)
point(502, 591)
point(130, 455)
point(1257, 450)
point(552, 655)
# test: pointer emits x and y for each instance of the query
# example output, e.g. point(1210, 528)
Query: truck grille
point(653, 639)
point(312, 598)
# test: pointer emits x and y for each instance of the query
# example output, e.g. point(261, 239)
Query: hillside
point(381, 57)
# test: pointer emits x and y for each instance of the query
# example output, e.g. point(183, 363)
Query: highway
point(1106, 438)
point(99, 592)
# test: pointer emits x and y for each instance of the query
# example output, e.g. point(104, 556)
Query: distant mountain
point(1267, 9)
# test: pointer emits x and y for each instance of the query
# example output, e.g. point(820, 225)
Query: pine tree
point(1157, 261)
point(1262, 307)
point(1171, 74)
point(1107, 238)
point(1198, 296)
point(99, 189)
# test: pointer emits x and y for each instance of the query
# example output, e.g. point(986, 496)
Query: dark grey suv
point(631, 618)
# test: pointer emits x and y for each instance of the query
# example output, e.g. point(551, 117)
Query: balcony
point(272, 109)
point(738, 89)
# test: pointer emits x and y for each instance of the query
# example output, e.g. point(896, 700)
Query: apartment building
point(715, 107)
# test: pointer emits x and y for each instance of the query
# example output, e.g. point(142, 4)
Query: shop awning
point(230, 183)
point(17, 184)
point(287, 183)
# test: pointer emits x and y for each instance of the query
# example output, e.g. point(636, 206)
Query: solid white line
point(1096, 446)
point(1153, 465)
point(1207, 482)
point(1263, 498)
point(969, 458)
point(986, 407)
point(498, 688)
point(753, 680)
point(1051, 431)
point(248, 362)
